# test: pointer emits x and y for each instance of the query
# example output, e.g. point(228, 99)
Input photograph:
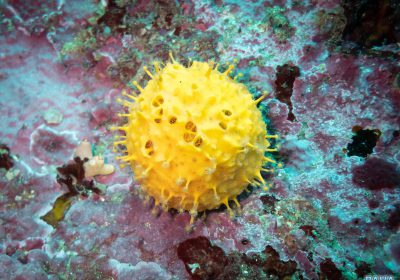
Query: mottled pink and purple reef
point(331, 68)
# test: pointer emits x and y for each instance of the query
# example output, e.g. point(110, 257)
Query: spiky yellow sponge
point(194, 137)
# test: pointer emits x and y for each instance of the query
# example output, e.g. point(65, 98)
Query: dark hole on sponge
point(364, 142)
point(222, 125)
point(172, 120)
point(148, 144)
point(227, 112)
point(160, 99)
point(198, 142)
point(191, 126)
point(157, 101)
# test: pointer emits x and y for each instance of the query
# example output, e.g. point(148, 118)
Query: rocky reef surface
point(331, 70)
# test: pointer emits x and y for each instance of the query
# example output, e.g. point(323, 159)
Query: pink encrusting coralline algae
point(331, 207)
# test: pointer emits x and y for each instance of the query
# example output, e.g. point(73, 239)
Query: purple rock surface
point(331, 70)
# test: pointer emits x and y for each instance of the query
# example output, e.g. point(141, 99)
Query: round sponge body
point(194, 137)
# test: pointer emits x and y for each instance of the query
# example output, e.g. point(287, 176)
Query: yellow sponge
point(194, 137)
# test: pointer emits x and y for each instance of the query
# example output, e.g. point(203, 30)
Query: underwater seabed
point(323, 76)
